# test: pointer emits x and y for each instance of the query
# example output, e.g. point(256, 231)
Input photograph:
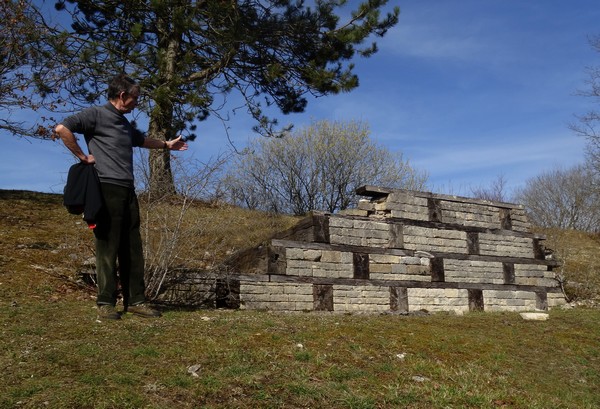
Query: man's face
point(128, 101)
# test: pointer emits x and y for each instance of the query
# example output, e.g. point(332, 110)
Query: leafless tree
point(588, 123)
point(566, 199)
point(24, 46)
point(495, 192)
point(318, 167)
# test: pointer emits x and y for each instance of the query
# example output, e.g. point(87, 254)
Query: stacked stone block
point(438, 299)
point(403, 251)
point(277, 296)
point(473, 271)
point(497, 300)
point(432, 239)
point(361, 298)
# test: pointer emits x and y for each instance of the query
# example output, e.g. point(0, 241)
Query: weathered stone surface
point(472, 271)
point(534, 316)
point(402, 251)
point(505, 246)
point(361, 298)
point(276, 296)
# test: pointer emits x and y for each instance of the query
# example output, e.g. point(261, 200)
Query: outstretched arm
point(173, 145)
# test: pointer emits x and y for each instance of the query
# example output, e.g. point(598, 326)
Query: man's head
point(123, 93)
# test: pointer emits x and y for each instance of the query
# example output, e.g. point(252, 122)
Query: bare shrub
point(566, 199)
point(579, 272)
point(318, 167)
point(187, 235)
point(495, 191)
point(170, 226)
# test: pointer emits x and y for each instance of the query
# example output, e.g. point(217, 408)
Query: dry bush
point(187, 235)
point(318, 167)
point(580, 269)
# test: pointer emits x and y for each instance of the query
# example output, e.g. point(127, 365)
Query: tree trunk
point(161, 176)
point(161, 181)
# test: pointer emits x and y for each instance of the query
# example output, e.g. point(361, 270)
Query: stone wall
point(401, 251)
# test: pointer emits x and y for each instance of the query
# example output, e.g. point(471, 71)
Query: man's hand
point(177, 144)
point(89, 159)
point(70, 142)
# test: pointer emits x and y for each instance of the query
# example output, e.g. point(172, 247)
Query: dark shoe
point(108, 312)
point(143, 310)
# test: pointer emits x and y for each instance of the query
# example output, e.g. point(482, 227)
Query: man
point(110, 139)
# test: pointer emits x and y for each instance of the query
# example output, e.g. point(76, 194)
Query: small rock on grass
point(534, 316)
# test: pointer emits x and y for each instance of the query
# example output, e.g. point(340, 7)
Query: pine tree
point(185, 52)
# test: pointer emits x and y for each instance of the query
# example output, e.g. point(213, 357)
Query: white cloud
point(431, 41)
point(475, 164)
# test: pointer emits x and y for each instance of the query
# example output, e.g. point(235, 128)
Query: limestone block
point(410, 260)
point(435, 299)
point(400, 198)
point(384, 259)
point(418, 270)
point(331, 256)
point(452, 292)
point(300, 272)
point(354, 212)
point(381, 206)
point(340, 222)
point(399, 269)
point(404, 198)
point(350, 241)
point(555, 299)
point(370, 225)
point(253, 305)
point(298, 289)
point(299, 268)
point(365, 204)
point(534, 316)
point(497, 294)
point(347, 257)
point(375, 268)
point(473, 271)
point(301, 298)
point(304, 306)
point(251, 288)
point(530, 270)
point(525, 295)
point(430, 239)
point(333, 272)
point(294, 254)
point(375, 242)
point(403, 214)
point(541, 282)
point(505, 246)
point(313, 255)
point(470, 214)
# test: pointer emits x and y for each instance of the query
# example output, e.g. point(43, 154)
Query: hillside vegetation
point(55, 354)
point(578, 252)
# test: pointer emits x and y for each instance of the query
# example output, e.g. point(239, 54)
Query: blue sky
point(467, 90)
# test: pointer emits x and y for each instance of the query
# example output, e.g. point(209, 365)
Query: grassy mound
point(55, 354)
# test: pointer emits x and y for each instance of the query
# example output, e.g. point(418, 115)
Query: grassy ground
point(55, 354)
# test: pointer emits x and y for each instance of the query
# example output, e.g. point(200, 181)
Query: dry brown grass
point(53, 352)
point(578, 252)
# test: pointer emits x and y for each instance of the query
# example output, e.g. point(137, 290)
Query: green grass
point(55, 354)
point(58, 355)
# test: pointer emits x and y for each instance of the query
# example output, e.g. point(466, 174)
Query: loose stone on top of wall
point(401, 251)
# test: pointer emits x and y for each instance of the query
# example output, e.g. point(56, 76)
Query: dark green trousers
point(118, 239)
